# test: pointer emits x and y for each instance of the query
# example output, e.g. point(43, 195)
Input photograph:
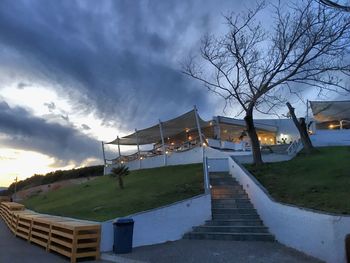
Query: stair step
point(235, 216)
point(233, 229)
point(234, 222)
point(228, 178)
point(231, 201)
point(219, 182)
point(234, 205)
point(220, 176)
point(233, 192)
point(234, 211)
point(228, 196)
point(230, 236)
point(227, 187)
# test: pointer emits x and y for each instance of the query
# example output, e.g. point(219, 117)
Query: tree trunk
point(253, 138)
point(301, 126)
point(121, 183)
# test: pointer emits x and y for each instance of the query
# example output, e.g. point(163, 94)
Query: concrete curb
point(119, 259)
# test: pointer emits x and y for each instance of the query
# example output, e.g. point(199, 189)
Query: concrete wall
point(217, 164)
point(318, 234)
point(330, 138)
point(168, 223)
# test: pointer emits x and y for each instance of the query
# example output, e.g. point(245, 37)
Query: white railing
point(295, 147)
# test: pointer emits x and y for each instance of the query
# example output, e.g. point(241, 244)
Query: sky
point(75, 73)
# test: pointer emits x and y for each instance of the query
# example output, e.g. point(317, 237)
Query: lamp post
point(16, 179)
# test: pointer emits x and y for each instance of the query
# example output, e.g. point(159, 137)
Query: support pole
point(103, 152)
point(15, 195)
point(307, 111)
point(119, 148)
point(163, 144)
point(198, 125)
point(138, 148)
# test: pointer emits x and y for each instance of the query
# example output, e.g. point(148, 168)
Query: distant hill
point(3, 191)
point(59, 175)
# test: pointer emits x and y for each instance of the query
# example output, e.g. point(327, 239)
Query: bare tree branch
point(251, 65)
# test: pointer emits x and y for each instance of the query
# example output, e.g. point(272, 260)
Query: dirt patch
point(40, 189)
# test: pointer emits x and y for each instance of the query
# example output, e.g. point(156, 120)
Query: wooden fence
point(72, 238)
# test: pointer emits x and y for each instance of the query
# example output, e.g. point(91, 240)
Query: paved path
point(17, 250)
point(210, 251)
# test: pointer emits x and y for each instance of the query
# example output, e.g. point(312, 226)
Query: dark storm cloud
point(118, 59)
point(64, 143)
point(22, 85)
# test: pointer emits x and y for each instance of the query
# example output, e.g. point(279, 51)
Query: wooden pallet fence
point(4, 199)
point(7, 208)
point(18, 225)
point(75, 239)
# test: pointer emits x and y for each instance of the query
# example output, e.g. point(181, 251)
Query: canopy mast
point(138, 148)
point(163, 145)
point(198, 126)
point(103, 152)
point(119, 148)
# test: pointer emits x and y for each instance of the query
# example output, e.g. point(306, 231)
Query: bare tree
point(335, 5)
point(304, 47)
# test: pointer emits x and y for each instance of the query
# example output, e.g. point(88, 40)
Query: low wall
point(330, 138)
point(217, 164)
point(194, 155)
point(168, 223)
point(318, 234)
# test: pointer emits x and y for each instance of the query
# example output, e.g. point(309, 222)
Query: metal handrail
point(206, 175)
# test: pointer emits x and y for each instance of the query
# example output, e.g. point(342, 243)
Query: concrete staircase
point(233, 215)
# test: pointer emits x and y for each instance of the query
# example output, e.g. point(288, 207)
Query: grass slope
point(101, 199)
point(320, 181)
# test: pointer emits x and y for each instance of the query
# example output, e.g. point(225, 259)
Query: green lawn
point(320, 181)
point(101, 199)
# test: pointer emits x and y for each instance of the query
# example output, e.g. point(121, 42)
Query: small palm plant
point(120, 172)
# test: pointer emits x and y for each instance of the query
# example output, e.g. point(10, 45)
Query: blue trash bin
point(123, 232)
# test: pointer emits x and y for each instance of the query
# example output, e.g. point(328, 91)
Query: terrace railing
point(295, 147)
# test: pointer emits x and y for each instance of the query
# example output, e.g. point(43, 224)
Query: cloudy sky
point(74, 73)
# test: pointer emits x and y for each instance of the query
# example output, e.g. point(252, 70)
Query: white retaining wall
point(330, 138)
point(318, 234)
point(217, 164)
point(168, 223)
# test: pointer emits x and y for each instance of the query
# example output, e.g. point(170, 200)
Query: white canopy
point(330, 110)
point(170, 128)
